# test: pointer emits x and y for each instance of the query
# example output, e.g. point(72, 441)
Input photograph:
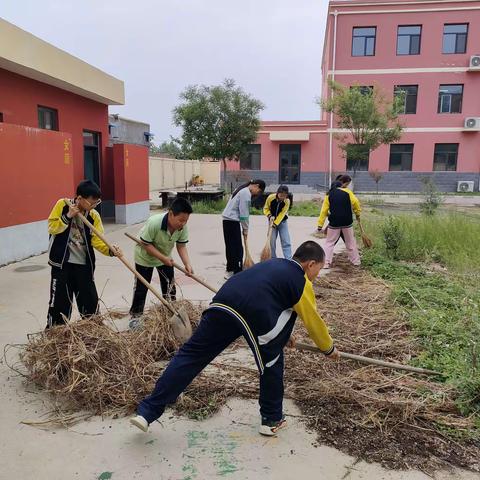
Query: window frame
point(41, 110)
point(456, 38)
point(446, 152)
point(401, 169)
point(365, 37)
point(249, 155)
point(410, 39)
point(360, 164)
point(397, 88)
point(442, 96)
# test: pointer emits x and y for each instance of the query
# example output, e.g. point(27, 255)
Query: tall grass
point(449, 239)
point(299, 209)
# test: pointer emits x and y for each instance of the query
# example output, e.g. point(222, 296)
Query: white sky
point(272, 48)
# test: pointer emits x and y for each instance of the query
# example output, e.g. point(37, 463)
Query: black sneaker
point(270, 428)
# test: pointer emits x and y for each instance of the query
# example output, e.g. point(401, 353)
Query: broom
point(267, 249)
point(367, 242)
point(248, 262)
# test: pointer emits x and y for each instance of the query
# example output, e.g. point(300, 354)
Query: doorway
point(289, 163)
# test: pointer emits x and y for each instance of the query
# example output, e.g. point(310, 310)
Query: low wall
point(173, 173)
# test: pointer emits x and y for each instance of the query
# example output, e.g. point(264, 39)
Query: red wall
point(130, 166)
point(19, 99)
point(35, 171)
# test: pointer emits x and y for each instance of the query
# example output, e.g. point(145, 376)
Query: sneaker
point(140, 423)
point(270, 428)
point(228, 275)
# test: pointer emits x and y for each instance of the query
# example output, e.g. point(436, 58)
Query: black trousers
point(233, 245)
point(169, 291)
point(71, 281)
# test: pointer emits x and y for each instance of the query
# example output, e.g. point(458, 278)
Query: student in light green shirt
point(159, 235)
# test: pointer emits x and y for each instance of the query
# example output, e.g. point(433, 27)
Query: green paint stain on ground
point(150, 442)
point(196, 437)
point(224, 455)
point(105, 476)
point(189, 471)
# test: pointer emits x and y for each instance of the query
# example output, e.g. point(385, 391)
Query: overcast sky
point(272, 48)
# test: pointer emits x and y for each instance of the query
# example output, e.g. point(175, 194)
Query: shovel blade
point(181, 326)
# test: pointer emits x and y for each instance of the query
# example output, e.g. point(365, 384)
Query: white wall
point(173, 173)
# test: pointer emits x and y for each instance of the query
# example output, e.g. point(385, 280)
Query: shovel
point(179, 321)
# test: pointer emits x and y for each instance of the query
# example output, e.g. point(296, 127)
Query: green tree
point(367, 116)
point(171, 148)
point(217, 121)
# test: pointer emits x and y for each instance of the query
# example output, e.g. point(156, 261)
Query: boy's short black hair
point(308, 251)
point(181, 205)
point(282, 189)
point(87, 188)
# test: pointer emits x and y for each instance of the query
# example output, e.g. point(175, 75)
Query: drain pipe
point(330, 136)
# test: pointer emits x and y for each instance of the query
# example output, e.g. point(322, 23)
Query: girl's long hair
point(260, 183)
point(334, 185)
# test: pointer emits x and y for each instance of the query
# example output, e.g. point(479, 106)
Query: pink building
point(428, 49)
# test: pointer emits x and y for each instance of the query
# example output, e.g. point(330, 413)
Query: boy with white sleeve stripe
point(261, 304)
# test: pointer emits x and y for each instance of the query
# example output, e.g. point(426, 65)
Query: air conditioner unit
point(465, 186)
point(472, 123)
point(474, 63)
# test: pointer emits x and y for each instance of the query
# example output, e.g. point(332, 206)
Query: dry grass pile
point(88, 365)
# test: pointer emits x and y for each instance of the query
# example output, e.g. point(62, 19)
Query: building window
point(408, 39)
point(455, 38)
point(363, 89)
point(363, 41)
point(445, 157)
point(450, 99)
point(250, 160)
point(357, 157)
point(47, 118)
point(408, 96)
point(401, 155)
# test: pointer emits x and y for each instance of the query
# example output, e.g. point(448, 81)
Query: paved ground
point(225, 446)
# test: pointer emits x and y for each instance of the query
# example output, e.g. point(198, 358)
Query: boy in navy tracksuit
point(261, 304)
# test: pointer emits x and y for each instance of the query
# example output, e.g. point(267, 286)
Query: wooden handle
point(370, 361)
point(122, 259)
point(177, 266)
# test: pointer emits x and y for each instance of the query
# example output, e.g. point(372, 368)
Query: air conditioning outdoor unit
point(465, 186)
point(472, 123)
point(474, 62)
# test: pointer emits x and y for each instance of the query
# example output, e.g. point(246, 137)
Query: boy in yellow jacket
point(71, 254)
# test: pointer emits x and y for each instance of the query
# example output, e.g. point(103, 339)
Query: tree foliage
point(217, 121)
point(367, 115)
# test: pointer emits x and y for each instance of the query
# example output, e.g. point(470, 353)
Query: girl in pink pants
point(339, 205)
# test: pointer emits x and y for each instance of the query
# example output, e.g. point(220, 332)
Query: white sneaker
point(228, 275)
point(270, 428)
point(140, 423)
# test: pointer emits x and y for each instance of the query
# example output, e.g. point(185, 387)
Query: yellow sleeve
point(324, 211)
point(97, 243)
point(283, 212)
point(314, 323)
point(57, 221)
point(266, 207)
point(355, 203)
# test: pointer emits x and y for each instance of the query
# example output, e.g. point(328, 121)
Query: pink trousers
point(333, 234)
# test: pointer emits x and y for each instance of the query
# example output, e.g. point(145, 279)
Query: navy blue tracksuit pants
point(216, 331)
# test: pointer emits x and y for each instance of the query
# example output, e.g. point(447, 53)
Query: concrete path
point(225, 446)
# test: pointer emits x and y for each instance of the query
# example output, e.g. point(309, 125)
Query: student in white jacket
point(237, 213)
